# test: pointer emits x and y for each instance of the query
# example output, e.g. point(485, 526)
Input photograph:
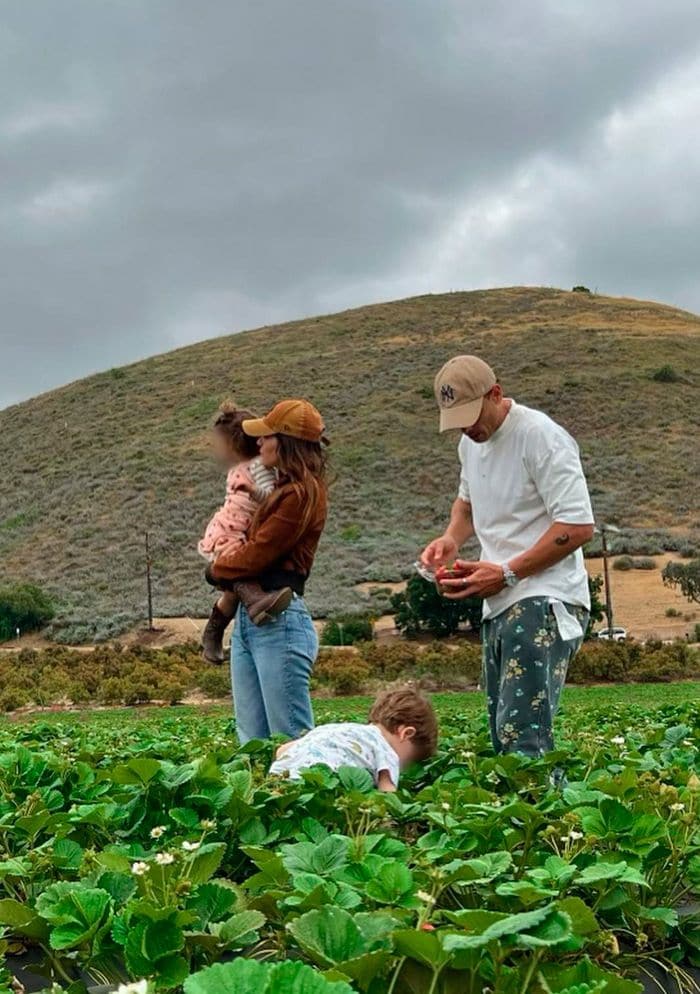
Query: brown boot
point(213, 636)
point(263, 606)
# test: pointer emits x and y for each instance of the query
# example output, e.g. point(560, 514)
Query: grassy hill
point(89, 467)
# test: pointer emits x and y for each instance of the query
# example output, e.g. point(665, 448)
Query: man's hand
point(440, 551)
point(480, 580)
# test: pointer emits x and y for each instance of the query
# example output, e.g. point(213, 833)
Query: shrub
point(12, 698)
point(388, 661)
point(23, 606)
point(623, 563)
point(672, 612)
point(215, 682)
point(595, 585)
point(644, 563)
point(580, 289)
point(666, 374)
point(421, 608)
point(347, 629)
point(685, 577)
point(344, 672)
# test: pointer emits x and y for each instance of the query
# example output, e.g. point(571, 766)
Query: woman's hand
point(478, 580)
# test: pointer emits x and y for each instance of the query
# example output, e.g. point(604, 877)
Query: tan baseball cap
point(297, 418)
point(460, 388)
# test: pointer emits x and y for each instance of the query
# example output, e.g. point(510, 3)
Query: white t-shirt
point(524, 478)
point(346, 744)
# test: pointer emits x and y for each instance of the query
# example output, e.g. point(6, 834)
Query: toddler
point(247, 485)
point(402, 729)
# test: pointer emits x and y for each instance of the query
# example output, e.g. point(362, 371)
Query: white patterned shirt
point(346, 744)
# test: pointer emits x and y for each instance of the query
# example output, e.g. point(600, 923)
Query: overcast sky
point(172, 170)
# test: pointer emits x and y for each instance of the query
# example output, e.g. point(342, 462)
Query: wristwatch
point(509, 576)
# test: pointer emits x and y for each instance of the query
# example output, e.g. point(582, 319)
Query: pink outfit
point(227, 530)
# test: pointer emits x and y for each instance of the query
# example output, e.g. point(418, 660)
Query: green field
point(126, 450)
point(143, 848)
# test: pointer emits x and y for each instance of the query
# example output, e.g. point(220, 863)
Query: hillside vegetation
point(88, 468)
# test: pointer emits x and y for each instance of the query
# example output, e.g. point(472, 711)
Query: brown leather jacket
point(276, 553)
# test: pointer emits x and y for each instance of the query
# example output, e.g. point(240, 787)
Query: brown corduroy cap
point(297, 418)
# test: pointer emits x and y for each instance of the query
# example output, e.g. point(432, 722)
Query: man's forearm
point(461, 526)
point(558, 542)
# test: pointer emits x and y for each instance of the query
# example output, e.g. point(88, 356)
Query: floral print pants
point(525, 661)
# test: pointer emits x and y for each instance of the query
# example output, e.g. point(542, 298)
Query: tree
point(685, 577)
point(420, 608)
point(25, 607)
point(595, 585)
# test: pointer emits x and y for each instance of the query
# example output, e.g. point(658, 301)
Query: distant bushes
point(25, 607)
point(439, 666)
point(628, 562)
point(108, 675)
point(347, 629)
point(666, 374)
point(114, 675)
point(421, 608)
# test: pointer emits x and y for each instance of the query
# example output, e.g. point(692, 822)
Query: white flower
point(467, 755)
point(157, 831)
point(164, 858)
point(445, 806)
point(138, 869)
point(191, 846)
point(619, 740)
point(677, 807)
point(687, 742)
point(137, 987)
point(574, 835)
point(423, 895)
point(208, 824)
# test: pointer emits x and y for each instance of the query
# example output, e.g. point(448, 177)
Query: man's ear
point(407, 732)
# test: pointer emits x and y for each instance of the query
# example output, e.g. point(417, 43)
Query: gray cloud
point(172, 170)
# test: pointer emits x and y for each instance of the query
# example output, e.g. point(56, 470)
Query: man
point(524, 496)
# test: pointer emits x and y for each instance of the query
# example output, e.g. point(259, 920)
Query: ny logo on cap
point(447, 394)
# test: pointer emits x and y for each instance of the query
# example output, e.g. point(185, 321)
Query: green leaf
point(583, 921)
point(22, 920)
point(212, 902)
point(425, 947)
point(121, 886)
point(242, 976)
point(524, 891)
point(392, 885)
point(322, 858)
point(136, 771)
point(187, 817)
point(480, 870)
point(328, 936)
point(554, 930)
point(246, 976)
point(601, 871)
point(67, 854)
point(171, 972)
point(508, 925)
point(204, 863)
point(241, 929)
point(586, 972)
point(355, 778)
point(161, 939)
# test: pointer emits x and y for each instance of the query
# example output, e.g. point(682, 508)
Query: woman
point(271, 664)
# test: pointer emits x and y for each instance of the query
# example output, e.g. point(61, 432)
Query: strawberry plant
point(152, 854)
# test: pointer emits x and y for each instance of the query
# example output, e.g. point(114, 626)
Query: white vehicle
point(617, 635)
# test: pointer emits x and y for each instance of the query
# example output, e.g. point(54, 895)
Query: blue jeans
point(270, 670)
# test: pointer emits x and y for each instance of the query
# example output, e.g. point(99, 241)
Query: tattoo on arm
point(562, 539)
